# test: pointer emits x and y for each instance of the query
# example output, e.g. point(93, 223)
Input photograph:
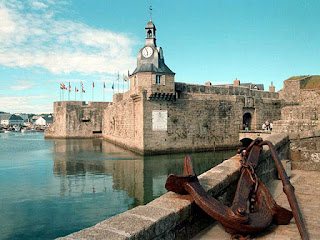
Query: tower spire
point(150, 9)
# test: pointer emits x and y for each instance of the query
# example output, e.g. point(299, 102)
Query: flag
point(118, 76)
point(84, 91)
point(62, 86)
point(113, 86)
point(104, 85)
point(76, 89)
point(81, 85)
point(69, 87)
point(125, 78)
point(93, 84)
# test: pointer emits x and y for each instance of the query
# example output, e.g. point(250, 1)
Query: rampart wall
point(305, 150)
point(123, 121)
point(76, 119)
point(199, 118)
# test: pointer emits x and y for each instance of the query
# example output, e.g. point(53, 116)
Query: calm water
point(50, 188)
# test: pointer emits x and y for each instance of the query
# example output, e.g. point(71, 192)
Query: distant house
point(4, 116)
point(11, 119)
point(24, 116)
point(35, 118)
point(44, 121)
point(253, 86)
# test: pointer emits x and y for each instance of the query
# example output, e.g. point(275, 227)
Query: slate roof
point(253, 86)
point(163, 68)
point(5, 116)
point(15, 117)
point(48, 119)
point(10, 117)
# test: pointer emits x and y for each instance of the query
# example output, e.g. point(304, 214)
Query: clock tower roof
point(150, 24)
point(150, 57)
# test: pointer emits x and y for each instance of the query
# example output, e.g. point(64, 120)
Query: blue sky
point(45, 42)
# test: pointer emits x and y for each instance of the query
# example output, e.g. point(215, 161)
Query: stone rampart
point(76, 119)
point(174, 216)
point(197, 118)
point(123, 122)
point(295, 125)
point(184, 89)
point(305, 150)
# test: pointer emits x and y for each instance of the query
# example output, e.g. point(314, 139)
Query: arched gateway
point(247, 120)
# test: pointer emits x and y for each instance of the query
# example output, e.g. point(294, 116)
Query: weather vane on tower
point(150, 8)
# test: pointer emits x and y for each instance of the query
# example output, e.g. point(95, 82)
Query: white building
point(11, 119)
point(44, 121)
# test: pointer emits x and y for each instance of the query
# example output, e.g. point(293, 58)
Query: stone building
point(301, 111)
point(160, 115)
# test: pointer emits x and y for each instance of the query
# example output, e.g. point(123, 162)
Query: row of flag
point(63, 86)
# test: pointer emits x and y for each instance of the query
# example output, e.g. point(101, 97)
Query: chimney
point(272, 88)
point(236, 82)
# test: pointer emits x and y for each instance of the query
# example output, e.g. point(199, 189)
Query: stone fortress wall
point(198, 118)
point(76, 119)
point(301, 111)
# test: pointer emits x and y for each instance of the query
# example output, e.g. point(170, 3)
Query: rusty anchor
point(253, 208)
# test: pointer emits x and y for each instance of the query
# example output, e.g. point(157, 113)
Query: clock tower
point(152, 74)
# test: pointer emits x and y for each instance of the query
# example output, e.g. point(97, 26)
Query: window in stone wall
point(158, 79)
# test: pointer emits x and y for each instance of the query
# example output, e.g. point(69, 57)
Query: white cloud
point(27, 104)
point(22, 85)
point(31, 38)
point(39, 5)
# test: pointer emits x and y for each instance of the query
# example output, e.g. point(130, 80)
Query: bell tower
point(150, 34)
point(152, 74)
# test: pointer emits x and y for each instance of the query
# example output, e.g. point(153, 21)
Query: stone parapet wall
point(185, 89)
point(174, 216)
point(297, 125)
point(305, 150)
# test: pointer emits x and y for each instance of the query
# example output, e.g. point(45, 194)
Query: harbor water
point(51, 188)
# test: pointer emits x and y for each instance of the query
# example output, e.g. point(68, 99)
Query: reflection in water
point(143, 178)
point(50, 188)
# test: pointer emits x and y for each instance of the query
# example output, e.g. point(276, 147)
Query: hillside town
point(23, 122)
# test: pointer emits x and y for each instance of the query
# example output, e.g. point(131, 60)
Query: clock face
point(147, 52)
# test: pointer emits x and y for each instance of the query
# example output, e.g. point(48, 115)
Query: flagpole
point(75, 93)
point(92, 90)
point(69, 92)
point(104, 86)
point(81, 86)
point(118, 83)
point(60, 91)
point(128, 79)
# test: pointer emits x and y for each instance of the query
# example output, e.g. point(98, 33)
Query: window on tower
point(149, 33)
point(158, 79)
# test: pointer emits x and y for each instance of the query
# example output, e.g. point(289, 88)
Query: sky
point(46, 42)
